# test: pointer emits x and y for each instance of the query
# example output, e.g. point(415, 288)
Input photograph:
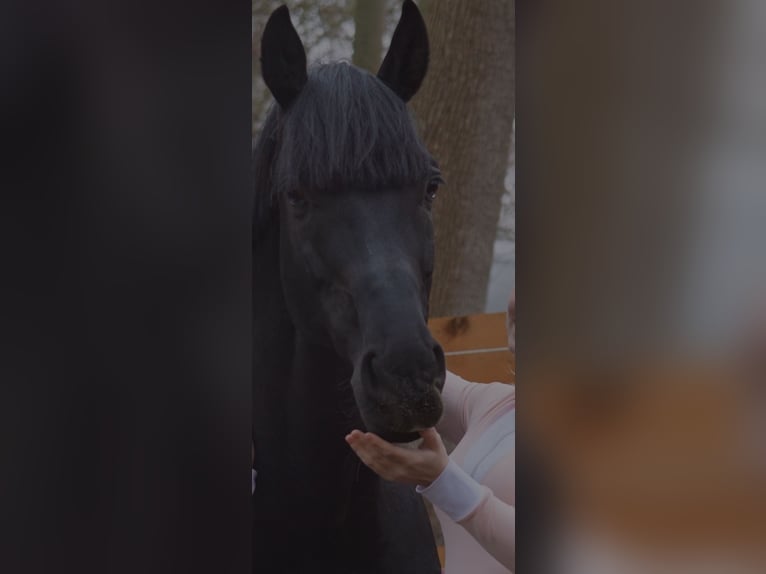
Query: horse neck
point(302, 401)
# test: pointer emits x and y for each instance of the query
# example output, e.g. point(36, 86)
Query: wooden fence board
point(476, 347)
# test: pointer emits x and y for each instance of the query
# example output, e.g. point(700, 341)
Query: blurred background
point(641, 269)
point(465, 111)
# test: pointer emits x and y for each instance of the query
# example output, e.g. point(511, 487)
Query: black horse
point(343, 258)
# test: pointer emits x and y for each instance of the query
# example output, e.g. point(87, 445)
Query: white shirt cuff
point(255, 473)
point(454, 492)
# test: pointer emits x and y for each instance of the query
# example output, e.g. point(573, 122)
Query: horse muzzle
point(396, 397)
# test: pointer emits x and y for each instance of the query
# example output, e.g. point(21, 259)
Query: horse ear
point(406, 62)
point(283, 59)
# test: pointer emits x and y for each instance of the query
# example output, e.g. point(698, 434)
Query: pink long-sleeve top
point(474, 497)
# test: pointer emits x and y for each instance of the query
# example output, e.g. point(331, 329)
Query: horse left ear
point(283, 58)
point(406, 62)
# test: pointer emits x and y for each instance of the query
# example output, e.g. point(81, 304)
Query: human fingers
point(431, 440)
point(386, 454)
point(370, 446)
point(420, 466)
point(361, 448)
point(389, 461)
point(387, 466)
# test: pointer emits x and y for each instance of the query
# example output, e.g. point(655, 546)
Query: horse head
point(354, 187)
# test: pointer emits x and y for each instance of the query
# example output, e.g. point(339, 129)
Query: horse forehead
point(374, 200)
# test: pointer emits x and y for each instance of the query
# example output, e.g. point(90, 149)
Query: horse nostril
point(368, 369)
point(400, 391)
point(416, 368)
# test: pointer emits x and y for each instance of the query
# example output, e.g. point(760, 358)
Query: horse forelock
point(345, 130)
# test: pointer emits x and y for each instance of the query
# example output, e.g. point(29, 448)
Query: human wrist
point(454, 492)
point(433, 472)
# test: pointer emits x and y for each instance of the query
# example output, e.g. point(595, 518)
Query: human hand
point(419, 466)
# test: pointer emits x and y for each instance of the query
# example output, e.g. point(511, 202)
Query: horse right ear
point(406, 61)
point(283, 59)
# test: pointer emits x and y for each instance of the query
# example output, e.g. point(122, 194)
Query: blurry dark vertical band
point(125, 299)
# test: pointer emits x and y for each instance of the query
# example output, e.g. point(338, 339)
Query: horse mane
point(346, 129)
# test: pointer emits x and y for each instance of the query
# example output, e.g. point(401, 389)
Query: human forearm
point(489, 520)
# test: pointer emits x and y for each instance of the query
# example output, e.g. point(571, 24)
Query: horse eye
point(431, 190)
point(295, 197)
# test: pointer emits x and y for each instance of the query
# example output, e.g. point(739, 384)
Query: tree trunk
point(465, 110)
point(369, 24)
